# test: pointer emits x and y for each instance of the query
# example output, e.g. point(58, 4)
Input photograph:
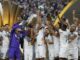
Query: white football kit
point(63, 43)
point(56, 46)
point(40, 47)
point(5, 44)
point(50, 38)
point(28, 49)
point(73, 48)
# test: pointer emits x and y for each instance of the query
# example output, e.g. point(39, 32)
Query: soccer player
point(28, 44)
point(14, 50)
point(56, 44)
point(40, 44)
point(73, 46)
point(63, 31)
point(50, 43)
point(5, 41)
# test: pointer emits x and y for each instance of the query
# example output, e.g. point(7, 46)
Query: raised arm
point(32, 36)
point(39, 21)
point(75, 19)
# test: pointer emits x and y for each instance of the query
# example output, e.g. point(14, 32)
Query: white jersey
point(27, 41)
point(73, 47)
point(63, 43)
point(5, 43)
point(50, 38)
point(39, 37)
point(63, 37)
point(56, 46)
point(74, 43)
point(28, 49)
point(5, 36)
point(40, 46)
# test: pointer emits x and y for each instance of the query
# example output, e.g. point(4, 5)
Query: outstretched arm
point(75, 19)
point(39, 22)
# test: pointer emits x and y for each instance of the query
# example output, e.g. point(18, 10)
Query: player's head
point(6, 26)
point(63, 24)
point(19, 19)
point(17, 30)
point(72, 28)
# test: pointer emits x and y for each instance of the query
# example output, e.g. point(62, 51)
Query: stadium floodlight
point(1, 9)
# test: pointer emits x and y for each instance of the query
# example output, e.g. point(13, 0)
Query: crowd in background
point(53, 7)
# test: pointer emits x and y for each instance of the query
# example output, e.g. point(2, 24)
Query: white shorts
point(51, 52)
point(56, 50)
point(63, 51)
point(28, 50)
point(5, 47)
point(73, 53)
point(40, 51)
point(28, 53)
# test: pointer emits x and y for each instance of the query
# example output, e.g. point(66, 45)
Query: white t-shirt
point(63, 43)
point(56, 46)
point(63, 37)
point(27, 41)
point(5, 36)
point(40, 36)
point(56, 40)
point(73, 47)
point(74, 42)
point(49, 38)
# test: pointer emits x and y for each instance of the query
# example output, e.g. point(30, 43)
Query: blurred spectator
point(51, 6)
